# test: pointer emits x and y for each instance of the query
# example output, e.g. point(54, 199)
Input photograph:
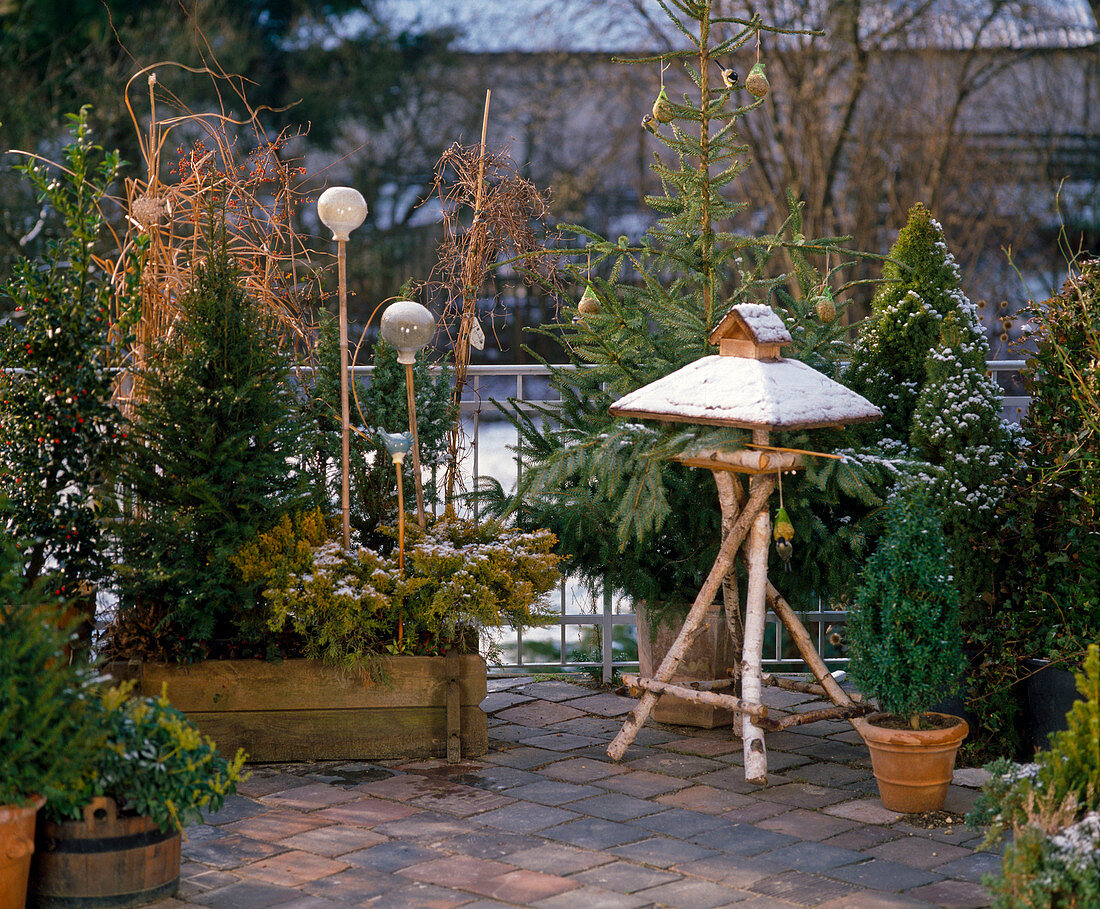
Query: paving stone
point(391, 856)
point(459, 871)
point(614, 806)
point(333, 840)
point(826, 773)
point(291, 869)
point(504, 683)
point(246, 895)
point(539, 713)
point(556, 691)
point(807, 825)
point(625, 877)
point(840, 752)
point(499, 700)
point(426, 825)
point(196, 833)
point(230, 851)
point(703, 747)
point(785, 700)
point(754, 812)
point(524, 887)
point(742, 839)
point(557, 858)
point(592, 898)
point(706, 799)
point(364, 812)
point(879, 874)
point(678, 822)
point(790, 740)
point(972, 867)
point(594, 833)
point(960, 799)
point(506, 733)
point(865, 811)
point(643, 784)
point(863, 838)
point(802, 888)
point(802, 795)
point(524, 758)
point(662, 851)
point(918, 852)
point(491, 844)
point(354, 885)
point(407, 786)
point(199, 878)
point(605, 704)
point(552, 792)
point(463, 801)
point(419, 896)
point(305, 902)
point(235, 808)
point(973, 777)
point(597, 727)
point(681, 765)
point(953, 894)
point(498, 779)
point(525, 817)
point(811, 857)
point(734, 870)
point(871, 900)
point(689, 894)
point(582, 770)
point(732, 779)
point(957, 834)
point(274, 825)
point(262, 783)
point(560, 741)
point(309, 798)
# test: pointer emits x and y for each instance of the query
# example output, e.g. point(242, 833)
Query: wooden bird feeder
point(749, 385)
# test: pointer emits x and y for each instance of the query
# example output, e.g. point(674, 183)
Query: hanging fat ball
point(756, 82)
point(729, 78)
point(648, 123)
point(825, 305)
point(589, 304)
point(783, 533)
point(662, 108)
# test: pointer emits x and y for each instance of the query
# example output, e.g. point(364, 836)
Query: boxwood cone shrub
point(903, 632)
point(1052, 808)
point(627, 515)
point(210, 466)
point(60, 431)
point(49, 733)
point(153, 762)
point(1049, 558)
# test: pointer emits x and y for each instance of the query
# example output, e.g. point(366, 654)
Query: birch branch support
point(727, 701)
point(845, 712)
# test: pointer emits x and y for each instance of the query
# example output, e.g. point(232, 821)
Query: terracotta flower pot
point(913, 767)
point(16, 846)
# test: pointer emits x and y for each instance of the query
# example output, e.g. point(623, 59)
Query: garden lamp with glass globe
point(408, 327)
point(342, 209)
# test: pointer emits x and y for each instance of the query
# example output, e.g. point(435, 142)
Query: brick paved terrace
point(546, 820)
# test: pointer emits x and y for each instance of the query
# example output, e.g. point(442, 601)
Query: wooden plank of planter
point(249, 685)
point(295, 735)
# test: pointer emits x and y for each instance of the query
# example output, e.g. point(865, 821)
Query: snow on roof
point(759, 319)
point(623, 26)
point(752, 394)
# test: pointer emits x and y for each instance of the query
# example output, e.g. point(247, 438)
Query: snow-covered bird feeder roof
point(747, 385)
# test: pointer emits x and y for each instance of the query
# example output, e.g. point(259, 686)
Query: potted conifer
point(905, 652)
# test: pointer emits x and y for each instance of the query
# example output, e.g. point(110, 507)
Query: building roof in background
point(640, 26)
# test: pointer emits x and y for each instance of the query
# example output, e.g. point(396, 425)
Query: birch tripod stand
point(750, 386)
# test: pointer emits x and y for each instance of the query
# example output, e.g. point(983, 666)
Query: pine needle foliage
point(209, 467)
point(60, 431)
point(624, 512)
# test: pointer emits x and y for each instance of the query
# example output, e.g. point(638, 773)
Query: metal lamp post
point(408, 327)
point(398, 445)
point(342, 209)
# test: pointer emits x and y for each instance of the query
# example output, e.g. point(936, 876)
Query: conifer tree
point(209, 467)
point(920, 356)
point(60, 431)
point(624, 513)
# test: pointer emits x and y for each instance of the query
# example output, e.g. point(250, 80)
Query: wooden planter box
point(301, 710)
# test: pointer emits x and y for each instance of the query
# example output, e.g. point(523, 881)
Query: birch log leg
point(752, 736)
point(730, 492)
point(801, 638)
point(694, 620)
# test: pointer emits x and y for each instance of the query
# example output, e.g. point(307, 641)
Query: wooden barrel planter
point(298, 710)
point(104, 861)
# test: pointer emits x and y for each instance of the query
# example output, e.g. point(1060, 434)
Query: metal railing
point(528, 386)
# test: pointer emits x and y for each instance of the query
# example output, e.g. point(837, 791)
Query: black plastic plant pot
point(1051, 693)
